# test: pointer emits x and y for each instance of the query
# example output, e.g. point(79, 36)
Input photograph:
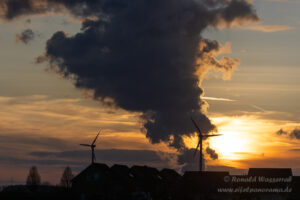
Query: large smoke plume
point(145, 56)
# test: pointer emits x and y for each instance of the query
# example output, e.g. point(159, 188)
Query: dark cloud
point(281, 132)
point(79, 159)
point(23, 161)
point(240, 8)
point(189, 161)
point(106, 155)
point(294, 149)
point(26, 36)
point(212, 153)
point(294, 134)
point(227, 9)
point(10, 9)
point(27, 140)
point(145, 56)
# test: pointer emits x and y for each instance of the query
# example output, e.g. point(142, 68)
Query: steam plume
point(145, 56)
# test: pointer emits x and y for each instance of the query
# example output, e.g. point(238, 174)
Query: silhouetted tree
point(66, 179)
point(33, 178)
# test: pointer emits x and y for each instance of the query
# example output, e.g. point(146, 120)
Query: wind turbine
point(92, 147)
point(201, 137)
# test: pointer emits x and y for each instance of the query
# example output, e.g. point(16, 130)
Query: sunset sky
point(45, 115)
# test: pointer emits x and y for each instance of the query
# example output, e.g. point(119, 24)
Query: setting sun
point(235, 141)
point(238, 140)
point(229, 144)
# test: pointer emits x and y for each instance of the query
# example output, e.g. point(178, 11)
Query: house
point(92, 181)
point(98, 181)
point(270, 172)
point(266, 184)
point(271, 178)
point(170, 183)
point(121, 184)
point(203, 185)
point(296, 188)
point(147, 180)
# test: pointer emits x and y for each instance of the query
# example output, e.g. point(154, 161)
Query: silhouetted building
point(147, 180)
point(170, 183)
point(196, 185)
point(92, 181)
point(295, 195)
point(117, 182)
point(120, 182)
point(264, 184)
point(98, 181)
point(270, 172)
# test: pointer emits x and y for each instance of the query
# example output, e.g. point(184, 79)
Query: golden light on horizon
point(229, 144)
point(239, 138)
point(242, 138)
point(234, 143)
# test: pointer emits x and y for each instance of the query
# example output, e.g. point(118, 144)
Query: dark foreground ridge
point(98, 181)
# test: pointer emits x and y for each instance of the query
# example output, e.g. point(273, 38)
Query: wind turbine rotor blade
point(196, 126)
point(212, 135)
point(96, 138)
point(87, 145)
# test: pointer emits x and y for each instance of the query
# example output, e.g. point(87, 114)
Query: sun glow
point(247, 141)
point(231, 145)
point(237, 140)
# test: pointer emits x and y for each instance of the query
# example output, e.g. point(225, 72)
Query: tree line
point(34, 178)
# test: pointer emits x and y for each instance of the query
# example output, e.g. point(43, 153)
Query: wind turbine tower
point(93, 145)
point(200, 143)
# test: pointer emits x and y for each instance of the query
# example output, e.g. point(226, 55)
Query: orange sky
point(41, 112)
point(248, 140)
